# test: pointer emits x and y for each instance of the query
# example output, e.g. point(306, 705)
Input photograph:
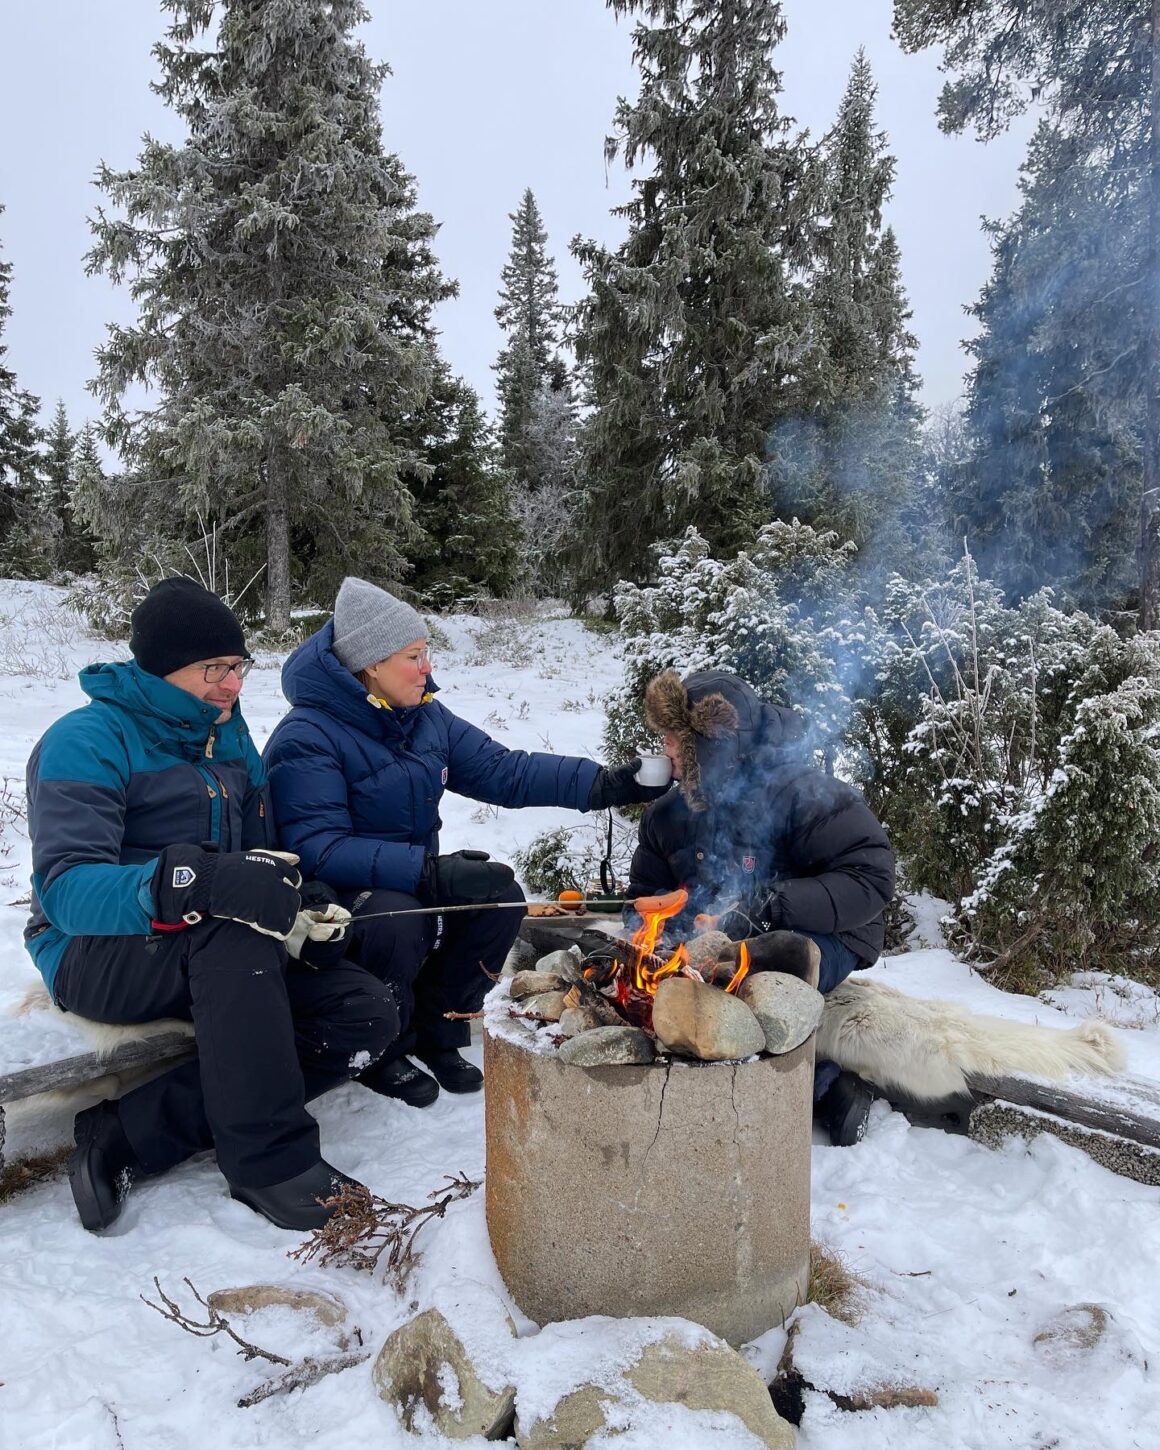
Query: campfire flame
point(633, 983)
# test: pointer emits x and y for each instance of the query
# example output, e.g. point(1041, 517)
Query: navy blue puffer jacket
point(357, 785)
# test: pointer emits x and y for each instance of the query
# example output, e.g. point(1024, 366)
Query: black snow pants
point(270, 1035)
point(435, 963)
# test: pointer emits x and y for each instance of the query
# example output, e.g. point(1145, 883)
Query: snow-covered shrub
point(961, 727)
point(569, 858)
point(1075, 884)
point(782, 615)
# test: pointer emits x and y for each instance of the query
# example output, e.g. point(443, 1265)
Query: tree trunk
point(1150, 498)
point(278, 542)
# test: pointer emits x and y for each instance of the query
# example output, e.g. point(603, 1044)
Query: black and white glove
point(318, 936)
point(616, 785)
point(258, 888)
point(463, 878)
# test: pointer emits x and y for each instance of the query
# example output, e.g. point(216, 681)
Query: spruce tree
point(1049, 492)
point(529, 313)
point(285, 283)
point(20, 437)
point(1093, 68)
point(470, 540)
point(692, 333)
point(68, 543)
point(851, 458)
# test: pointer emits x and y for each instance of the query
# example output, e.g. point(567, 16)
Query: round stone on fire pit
point(787, 1008)
point(705, 948)
point(704, 1022)
point(574, 1020)
point(564, 963)
point(548, 1005)
point(608, 1047)
point(529, 984)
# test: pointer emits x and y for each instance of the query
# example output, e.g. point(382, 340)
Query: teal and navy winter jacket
point(356, 786)
point(142, 767)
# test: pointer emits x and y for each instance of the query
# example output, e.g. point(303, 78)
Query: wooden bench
point(40, 1072)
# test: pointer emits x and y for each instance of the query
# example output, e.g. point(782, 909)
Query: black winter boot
point(398, 1077)
point(101, 1167)
point(844, 1108)
point(296, 1202)
point(453, 1072)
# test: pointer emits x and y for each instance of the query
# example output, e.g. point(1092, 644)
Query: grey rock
point(326, 1308)
point(423, 1363)
point(548, 1005)
point(564, 963)
point(705, 1022)
point(705, 1376)
point(574, 1020)
point(788, 1009)
point(705, 949)
point(608, 1047)
point(530, 984)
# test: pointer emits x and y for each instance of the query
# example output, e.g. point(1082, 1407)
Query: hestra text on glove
point(258, 888)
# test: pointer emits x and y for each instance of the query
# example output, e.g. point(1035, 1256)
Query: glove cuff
point(182, 884)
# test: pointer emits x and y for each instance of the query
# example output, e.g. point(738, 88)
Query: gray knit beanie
point(370, 624)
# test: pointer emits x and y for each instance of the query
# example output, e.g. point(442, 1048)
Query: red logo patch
point(748, 863)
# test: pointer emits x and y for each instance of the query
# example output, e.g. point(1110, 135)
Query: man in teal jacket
point(157, 892)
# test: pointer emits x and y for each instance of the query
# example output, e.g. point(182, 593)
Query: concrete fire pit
point(678, 1188)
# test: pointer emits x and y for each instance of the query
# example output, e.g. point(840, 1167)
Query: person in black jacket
point(764, 841)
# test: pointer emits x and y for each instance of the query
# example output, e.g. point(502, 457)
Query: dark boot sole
point(93, 1204)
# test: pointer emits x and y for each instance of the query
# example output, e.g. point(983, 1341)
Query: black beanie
point(178, 622)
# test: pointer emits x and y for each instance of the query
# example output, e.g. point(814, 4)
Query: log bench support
point(163, 1050)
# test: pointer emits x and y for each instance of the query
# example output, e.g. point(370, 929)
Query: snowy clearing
point(967, 1253)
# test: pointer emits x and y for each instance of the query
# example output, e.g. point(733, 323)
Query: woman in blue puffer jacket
point(357, 770)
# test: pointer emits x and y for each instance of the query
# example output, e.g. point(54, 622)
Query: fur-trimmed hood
point(719, 722)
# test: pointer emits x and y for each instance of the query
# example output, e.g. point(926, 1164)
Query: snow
point(967, 1253)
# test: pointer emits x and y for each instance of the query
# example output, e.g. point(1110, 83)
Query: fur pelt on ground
point(927, 1049)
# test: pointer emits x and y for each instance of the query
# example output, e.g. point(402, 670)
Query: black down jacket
point(754, 822)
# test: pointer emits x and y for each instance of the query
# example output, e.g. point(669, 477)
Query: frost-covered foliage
point(781, 614)
point(1012, 755)
point(1076, 882)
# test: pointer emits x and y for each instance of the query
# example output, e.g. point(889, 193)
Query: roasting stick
point(649, 903)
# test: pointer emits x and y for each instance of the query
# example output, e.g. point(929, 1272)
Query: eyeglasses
point(422, 660)
point(216, 673)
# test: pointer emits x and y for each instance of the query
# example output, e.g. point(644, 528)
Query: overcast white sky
point(487, 97)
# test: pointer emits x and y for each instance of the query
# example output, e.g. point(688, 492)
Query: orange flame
point(742, 969)
point(655, 911)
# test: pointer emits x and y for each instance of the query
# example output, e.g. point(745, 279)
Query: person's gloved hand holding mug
point(258, 888)
point(616, 785)
point(462, 878)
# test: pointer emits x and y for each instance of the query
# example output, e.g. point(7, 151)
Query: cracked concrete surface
point(678, 1188)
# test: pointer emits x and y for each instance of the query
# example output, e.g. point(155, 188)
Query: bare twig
point(363, 1227)
point(462, 1016)
point(301, 1376)
point(215, 1323)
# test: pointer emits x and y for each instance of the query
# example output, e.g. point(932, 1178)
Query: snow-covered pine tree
point(529, 313)
point(470, 543)
point(68, 543)
point(693, 329)
point(1092, 69)
point(851, 458)
point(285, 283)
point(1049, 492)
point(20, 437)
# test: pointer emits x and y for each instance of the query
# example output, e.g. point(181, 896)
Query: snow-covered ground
point(967, 1252)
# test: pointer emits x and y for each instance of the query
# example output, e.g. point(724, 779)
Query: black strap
point(607, 879)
